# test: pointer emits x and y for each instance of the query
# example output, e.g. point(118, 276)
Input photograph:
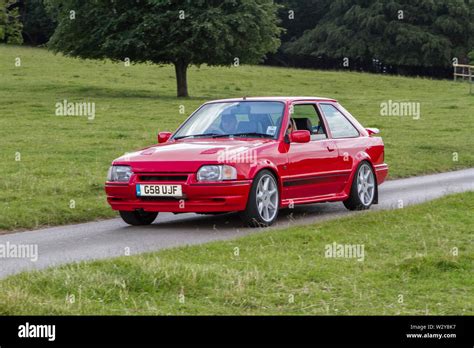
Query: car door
point(312, 165)
point(345, 136)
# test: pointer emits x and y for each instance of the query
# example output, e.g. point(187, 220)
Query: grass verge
point(417, 260)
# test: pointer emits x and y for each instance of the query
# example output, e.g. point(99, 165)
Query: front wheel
point(263, 202)
point(363, 189)
point(138, 218)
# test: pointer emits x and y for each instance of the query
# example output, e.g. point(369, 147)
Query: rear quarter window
point(338, 124)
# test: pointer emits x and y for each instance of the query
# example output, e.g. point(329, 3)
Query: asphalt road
point(109, 238)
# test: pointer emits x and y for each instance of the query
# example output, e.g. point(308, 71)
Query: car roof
point(280, 99)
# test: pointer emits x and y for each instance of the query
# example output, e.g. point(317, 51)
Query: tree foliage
point(3, 19)
point(181, 32)
point(10, 24)
point(471, 57)
point(38, 25)
point(298, 16)
point(426, 33)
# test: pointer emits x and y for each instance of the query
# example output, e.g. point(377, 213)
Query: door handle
point(331, 147)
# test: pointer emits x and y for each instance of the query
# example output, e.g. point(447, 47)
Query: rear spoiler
point(372, 131)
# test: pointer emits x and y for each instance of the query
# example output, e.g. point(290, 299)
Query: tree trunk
point(181, 69)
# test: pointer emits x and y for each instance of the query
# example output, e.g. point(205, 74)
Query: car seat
point(304, 123)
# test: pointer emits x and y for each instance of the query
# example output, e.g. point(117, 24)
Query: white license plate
point(159, 191)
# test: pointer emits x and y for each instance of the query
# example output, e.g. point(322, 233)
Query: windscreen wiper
point(215, 135)
point(210, 135)
point(252, 134)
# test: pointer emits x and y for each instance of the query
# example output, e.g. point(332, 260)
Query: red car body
point(306, 172)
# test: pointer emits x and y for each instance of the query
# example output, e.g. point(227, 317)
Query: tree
point(298, 16)
point(10, 24)
point(38, 25)
point(396, 32)
point(181, 32)
point(471, 57)
point(3, 19)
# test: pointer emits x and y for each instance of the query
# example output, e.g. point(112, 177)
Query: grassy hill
point(50, 163)
point(416, 261)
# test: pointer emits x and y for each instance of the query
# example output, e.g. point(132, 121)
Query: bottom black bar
point(411, 330)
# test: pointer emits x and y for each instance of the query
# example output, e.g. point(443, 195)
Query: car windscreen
point(245, 118)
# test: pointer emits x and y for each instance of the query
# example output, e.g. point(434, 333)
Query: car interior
point(257, 123)
point(307, 117)
point(250, 123)
point(304, 117)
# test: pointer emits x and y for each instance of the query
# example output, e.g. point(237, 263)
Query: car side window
point(306, 117)
point(338, 124)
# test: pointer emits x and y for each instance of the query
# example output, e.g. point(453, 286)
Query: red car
point(253, 156)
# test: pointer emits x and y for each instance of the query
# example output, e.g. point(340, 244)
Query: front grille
point(174, 178)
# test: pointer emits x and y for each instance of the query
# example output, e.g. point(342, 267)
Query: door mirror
point(300, 136)
point(163, 137)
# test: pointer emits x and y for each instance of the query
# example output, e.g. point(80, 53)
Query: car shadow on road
point(230, 221)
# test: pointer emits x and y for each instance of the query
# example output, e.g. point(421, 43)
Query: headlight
point(119, 173)
point(217, 173)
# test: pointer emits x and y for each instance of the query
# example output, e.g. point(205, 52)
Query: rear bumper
point(381, 172)
point(197, 198)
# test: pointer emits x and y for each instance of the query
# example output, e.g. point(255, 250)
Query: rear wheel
point(138, 218)
point(263, 202)
point(363, 188)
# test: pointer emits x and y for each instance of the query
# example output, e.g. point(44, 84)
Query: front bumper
point(197, 197)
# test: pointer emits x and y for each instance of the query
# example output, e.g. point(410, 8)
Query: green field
point(417, 260)
point(53, 167)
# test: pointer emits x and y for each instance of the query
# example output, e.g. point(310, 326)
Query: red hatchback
point(253, 156)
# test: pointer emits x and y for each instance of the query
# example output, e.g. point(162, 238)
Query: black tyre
point(264, 200)
point(363, 189)
point(138, 218)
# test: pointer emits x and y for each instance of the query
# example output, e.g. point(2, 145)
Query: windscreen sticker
point(271, 130)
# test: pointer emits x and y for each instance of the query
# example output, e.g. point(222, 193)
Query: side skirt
point(317, 199)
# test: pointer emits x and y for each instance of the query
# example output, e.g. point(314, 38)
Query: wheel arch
point(358, 159)
point(251, 215)
point(272, 169)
